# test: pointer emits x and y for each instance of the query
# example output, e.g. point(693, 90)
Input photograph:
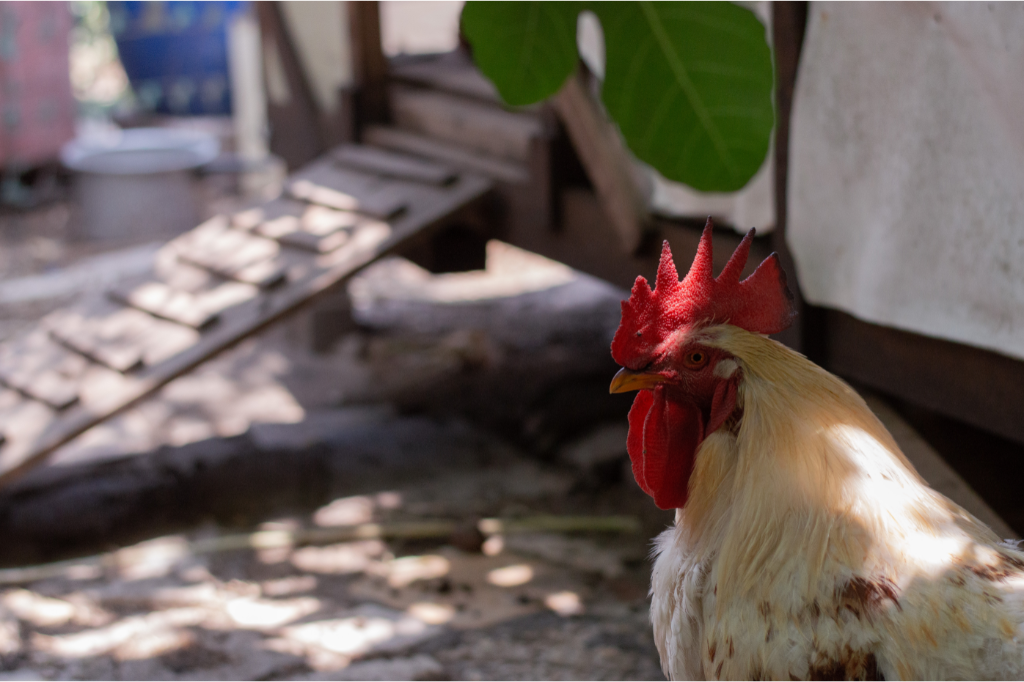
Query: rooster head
point(687, 390)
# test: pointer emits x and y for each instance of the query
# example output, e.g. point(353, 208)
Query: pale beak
point(628, 380)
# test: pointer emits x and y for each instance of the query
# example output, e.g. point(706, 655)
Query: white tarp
point(906, 192)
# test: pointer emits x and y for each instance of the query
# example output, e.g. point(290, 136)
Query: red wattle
point(662, 444)
point(635, 438)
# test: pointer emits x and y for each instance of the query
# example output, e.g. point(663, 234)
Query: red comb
point(761, 303)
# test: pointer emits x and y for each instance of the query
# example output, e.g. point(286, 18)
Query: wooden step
point(21, 417)
point(40, 369)
point(325, 183)
point(460, 157)
point(389, 164)
point(453, 72)
point(183, 293)
point(64, 393)
point(235, 254)
point(121, 338)
point(163, 301)
point(293, 223)
point(484, 128)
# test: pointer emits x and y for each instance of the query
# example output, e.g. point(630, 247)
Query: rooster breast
point(963, 623)
point(677, 591)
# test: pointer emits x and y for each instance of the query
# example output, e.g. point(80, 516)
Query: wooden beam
point(586, 240)
point(295, 118)
point(369, 65)
point(483, 127)
point(976, 386)
point(604, 156)
point(401, 140)
point(940, 476)
point(789, 21)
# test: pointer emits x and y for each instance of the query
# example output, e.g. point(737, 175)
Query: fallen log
point(282, 539)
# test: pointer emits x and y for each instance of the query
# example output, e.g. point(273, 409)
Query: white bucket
point(137, 184)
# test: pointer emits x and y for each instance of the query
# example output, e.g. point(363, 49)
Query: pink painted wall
point(37, 109)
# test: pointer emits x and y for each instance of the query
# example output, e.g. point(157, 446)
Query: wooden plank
point(789, 23)
point(940, 476)
point(109, 393)
point(318, 221)
point(447, 152)
point(252, 218)
point(309, 227)
point(283, 217)
point(212, 293)
point(320, 230)
point(101, 340)
point(453, 72)
point(20, 415)
point(163, 301)
point(976, 386)
point(482, 127)
point(295, 119)
point(318, 244)
point(179, 275)
point(369, 65)
point(183, 293)
point(230, 253)
point(122, 339)
point(392, 165)
point(586, 240)
point(348, 190)
point(609, 165)
point(40, 369)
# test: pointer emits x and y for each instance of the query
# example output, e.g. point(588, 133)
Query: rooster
point(805, 545)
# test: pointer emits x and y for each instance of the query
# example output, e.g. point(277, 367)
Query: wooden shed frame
point(970, 384)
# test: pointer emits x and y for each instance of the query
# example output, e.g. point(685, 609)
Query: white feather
point(810, 547)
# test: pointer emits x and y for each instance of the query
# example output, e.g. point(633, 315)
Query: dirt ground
point(518, 601)
point(520, 604)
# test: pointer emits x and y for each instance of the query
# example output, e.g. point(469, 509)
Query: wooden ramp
point(212, 287)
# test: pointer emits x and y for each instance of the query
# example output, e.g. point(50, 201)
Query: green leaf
point(688, 83)
point(527, 49)
point(690, 86)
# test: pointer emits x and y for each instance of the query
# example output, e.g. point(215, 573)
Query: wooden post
point(605, 158)
point(369, 65)
point(789, 22)
point(295, 120)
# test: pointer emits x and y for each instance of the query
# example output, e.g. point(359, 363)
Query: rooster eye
point(696, 359)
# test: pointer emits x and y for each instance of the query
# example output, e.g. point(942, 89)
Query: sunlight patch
point(407, 570)
point(339, 559)
point(564, 603)
point(264, 613)
point(511, 576)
